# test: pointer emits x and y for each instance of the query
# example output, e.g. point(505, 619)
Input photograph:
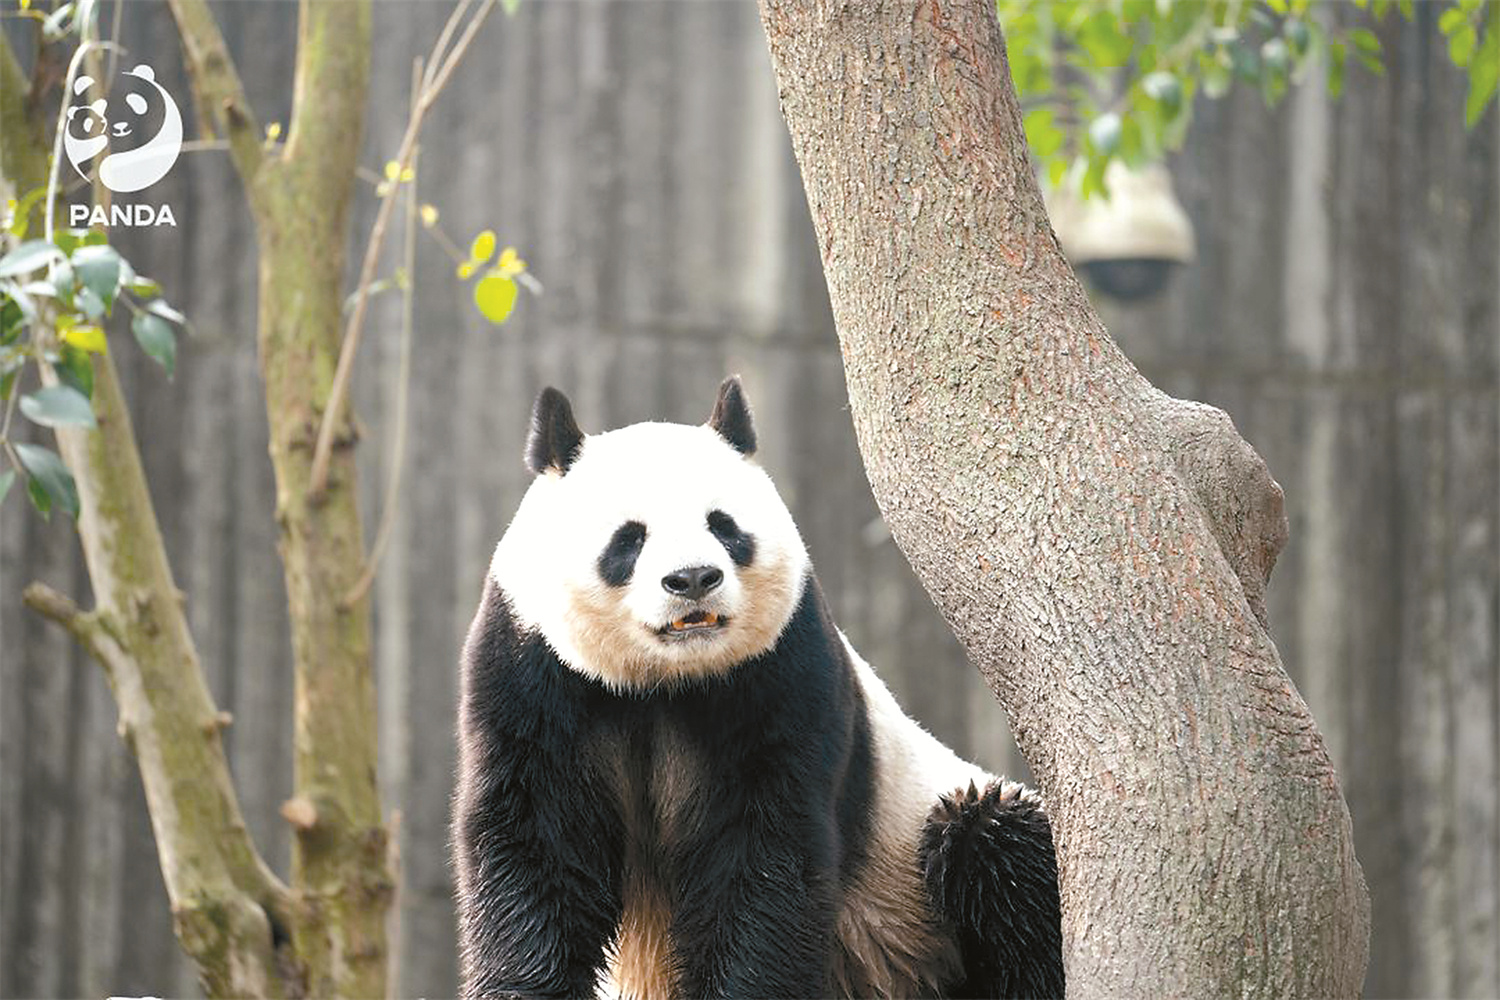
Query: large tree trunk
point(1100, 548)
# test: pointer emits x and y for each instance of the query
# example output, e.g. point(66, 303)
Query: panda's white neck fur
point(546, 562)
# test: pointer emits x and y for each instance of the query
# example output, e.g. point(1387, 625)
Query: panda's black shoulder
point(513, 681)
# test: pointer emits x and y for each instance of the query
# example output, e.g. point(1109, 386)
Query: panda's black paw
point(990, 870)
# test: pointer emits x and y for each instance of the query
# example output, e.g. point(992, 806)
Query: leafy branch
point(1101, 80)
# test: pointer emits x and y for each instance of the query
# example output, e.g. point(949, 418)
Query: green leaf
point(48, 471)
point(75, 369)
point(510, 7)
point(483, 247)
point(144, 288)
point(157, 339)
point(64, 283)
point(1365, 41)
point(1092, 182)
point(496, 297)
point(1042, 133)
point(28, 257)
point(89, 302)
point(1461, 45)
point(12, 313)
point(166, 312)
point(1055, 171)
point(1371, 63)
point(1275, 55)
point(1246, 63)
point(68, 240)
point(1104, 132)
point(86, 337)
point(1298, 36)
point(39, 498)
point(6, 479)
point(1450, 19)
point(98, 267)
point(1336, 55)
point(1484, 74)
point(58, 406)
point(1216, 77)
point(21, 222)
point(1164, 88)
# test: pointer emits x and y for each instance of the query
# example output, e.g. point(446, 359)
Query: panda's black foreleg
point(539, 898)
point(755, 913)
point(991, 870)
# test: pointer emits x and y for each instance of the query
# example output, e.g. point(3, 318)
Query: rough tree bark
point(299, 197)
point(249, 934)
point(1100, 548)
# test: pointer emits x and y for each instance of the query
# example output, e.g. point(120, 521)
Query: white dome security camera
point(1126, 245)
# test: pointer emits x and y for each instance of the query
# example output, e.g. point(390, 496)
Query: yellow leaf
point(429, 216)
point(392, 170)
point(495, 296)
point(465, 270)
point(483, 248)
point(273, 131)
point(509, 265)
point(25, 4)
point(85, 337)
point(407, 175)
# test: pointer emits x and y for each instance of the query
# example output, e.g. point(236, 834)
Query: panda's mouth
point(697, 621)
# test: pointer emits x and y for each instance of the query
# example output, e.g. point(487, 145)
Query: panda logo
point(139, 131)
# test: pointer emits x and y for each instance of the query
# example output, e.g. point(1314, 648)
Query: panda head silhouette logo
point(137, 128)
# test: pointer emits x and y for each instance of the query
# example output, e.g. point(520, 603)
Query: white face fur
point(638, 634)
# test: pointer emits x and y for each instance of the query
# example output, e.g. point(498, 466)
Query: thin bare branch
point(392, 500)
point(339, 391)
point(86, 627)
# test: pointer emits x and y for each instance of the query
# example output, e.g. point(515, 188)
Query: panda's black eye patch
point(617, 561)
point(739, 544)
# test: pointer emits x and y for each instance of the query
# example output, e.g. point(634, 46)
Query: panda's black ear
point(555, 440)
point(731, 416)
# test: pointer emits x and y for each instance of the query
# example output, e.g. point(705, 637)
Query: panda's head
point(651, 554)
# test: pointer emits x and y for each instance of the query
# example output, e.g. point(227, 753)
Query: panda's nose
point(693, 582)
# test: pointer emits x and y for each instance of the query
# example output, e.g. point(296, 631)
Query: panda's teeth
point(698, 619)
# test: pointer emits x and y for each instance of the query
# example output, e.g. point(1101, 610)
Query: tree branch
point(224, 897)
point(220, 97)
point(339, 870)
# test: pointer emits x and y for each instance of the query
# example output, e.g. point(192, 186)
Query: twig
point(114, 36)
point(403, 391)
point(439, 69)
point(88, 628)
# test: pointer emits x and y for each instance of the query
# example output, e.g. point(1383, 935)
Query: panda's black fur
point(725, 824)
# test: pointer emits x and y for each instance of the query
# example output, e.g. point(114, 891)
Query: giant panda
point(678, 779)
